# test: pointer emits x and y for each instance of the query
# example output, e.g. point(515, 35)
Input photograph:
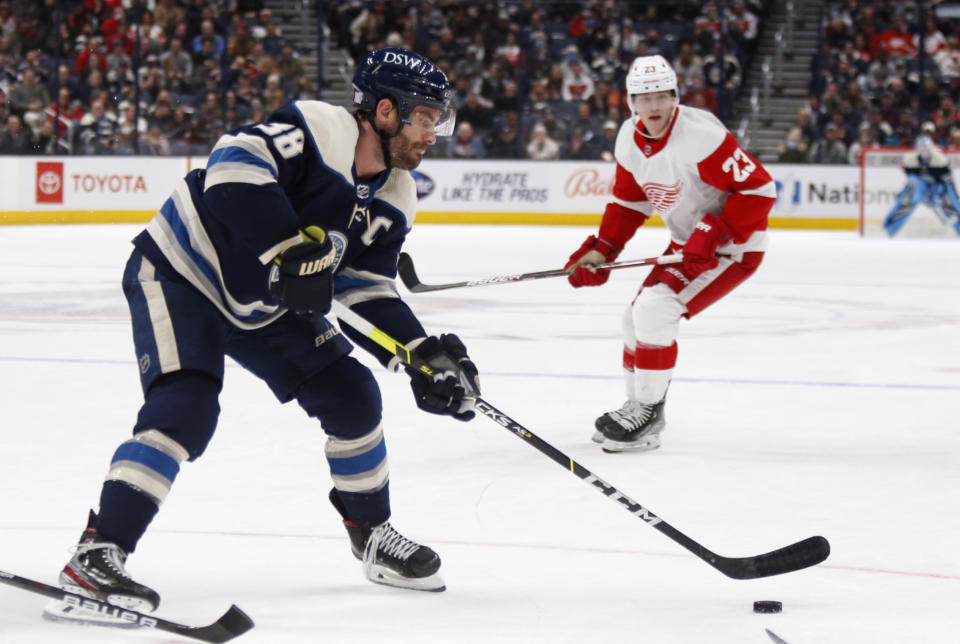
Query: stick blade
point(408, 275)
point(797, 556)
point(231, 624)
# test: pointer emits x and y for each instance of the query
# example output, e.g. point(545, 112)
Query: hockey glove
point(580, 265)
point(302, 277)
point(699, 253)
point(454, 386)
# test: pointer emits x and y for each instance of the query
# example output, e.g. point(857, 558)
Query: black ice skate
point(97, 570)
point(391, 559)
point(635, 426)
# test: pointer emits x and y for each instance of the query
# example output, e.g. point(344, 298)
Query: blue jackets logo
point(424, 183)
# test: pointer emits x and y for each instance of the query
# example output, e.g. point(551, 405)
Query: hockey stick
point(230, 625)
point(408, 275)
point(797, 556)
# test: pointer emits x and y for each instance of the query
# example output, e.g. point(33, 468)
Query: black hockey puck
point(767, 607)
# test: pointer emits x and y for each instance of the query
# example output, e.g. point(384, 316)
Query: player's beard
point(404, 153)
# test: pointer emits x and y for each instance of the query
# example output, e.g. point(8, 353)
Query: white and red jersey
point(696, 167)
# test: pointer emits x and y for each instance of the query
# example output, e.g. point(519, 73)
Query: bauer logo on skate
point(111, 611)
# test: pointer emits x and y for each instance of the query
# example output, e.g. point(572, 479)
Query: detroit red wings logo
point(664, 198)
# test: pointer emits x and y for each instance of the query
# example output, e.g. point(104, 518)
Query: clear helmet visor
point(429, 117)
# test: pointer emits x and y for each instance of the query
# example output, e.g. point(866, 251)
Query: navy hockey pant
point(181, 340)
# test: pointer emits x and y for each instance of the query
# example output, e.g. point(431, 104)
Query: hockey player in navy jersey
point(929, 181)
point(683, 164)
point(242, 261)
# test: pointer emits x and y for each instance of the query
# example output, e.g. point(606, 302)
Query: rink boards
point(131, 189)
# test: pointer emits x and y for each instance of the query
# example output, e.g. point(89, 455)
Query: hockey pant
point(181, 340)
point(941, 196)
point(651, 322)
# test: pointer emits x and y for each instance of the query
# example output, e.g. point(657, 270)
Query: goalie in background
point(929, 181)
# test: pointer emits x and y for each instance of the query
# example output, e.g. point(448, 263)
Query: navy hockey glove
point(699, 253)
point(302, 277)
point(580, 265)
point(455, 384)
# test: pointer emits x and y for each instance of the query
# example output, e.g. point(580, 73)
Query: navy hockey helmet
point(409, 79)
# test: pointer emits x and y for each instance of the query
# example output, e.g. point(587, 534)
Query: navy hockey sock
point(124, 514)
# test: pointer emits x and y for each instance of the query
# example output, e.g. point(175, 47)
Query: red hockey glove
point(699, 253)
point(580, 265)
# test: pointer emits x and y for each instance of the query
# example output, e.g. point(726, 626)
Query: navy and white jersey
point(223, 226)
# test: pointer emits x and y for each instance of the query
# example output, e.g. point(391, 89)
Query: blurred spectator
point(506, 144)
point(589, 122)
point(149, 31)
point(607, 68)
point(477, 111)
point(699, 95)
point(91, 56)
point(182, 61)
point(97, 129)
point(897, 39)
point(793, 149)
point(865, 139)
point(558, 129)
point(541, 146)
point(624, 38)
point(8, 73)
point(577, 82)
point(509, 51)
point(509, 99)
point(162, 117)
point(554, 83)
point(934, 40)
point(830, 149)
point(28, 92)
point(466, 145)
point(687, 64)
point(43, 141)
point(578, 148)
point(14, 139)
point(808, 131)
point(608, 141)
point(288, 64)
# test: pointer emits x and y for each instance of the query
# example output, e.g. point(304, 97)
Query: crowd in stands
point(881, 72)
point(148, 77)
point(545, 80)
point(533, 80)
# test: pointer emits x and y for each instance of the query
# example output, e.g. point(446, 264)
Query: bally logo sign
point(49, 181)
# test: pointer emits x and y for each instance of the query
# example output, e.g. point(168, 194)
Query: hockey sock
point(124, 514)
point(653, 369)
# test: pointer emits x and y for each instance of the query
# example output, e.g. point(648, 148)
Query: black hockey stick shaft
point(408, 274)
point(230, 625)
point(797, 556)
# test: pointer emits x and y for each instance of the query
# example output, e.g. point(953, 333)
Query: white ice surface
point(820, 398)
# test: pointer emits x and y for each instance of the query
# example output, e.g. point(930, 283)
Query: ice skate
point(391, 559)
point(635, 426)
point(97, 570)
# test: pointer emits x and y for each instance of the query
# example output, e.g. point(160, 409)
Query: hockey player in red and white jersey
point(682, 164)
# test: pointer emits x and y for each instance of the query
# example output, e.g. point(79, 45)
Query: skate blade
point(645, 444)
point(386, 577)
point(63, 613)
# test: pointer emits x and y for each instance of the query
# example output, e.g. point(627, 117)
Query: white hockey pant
point(650, 328)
